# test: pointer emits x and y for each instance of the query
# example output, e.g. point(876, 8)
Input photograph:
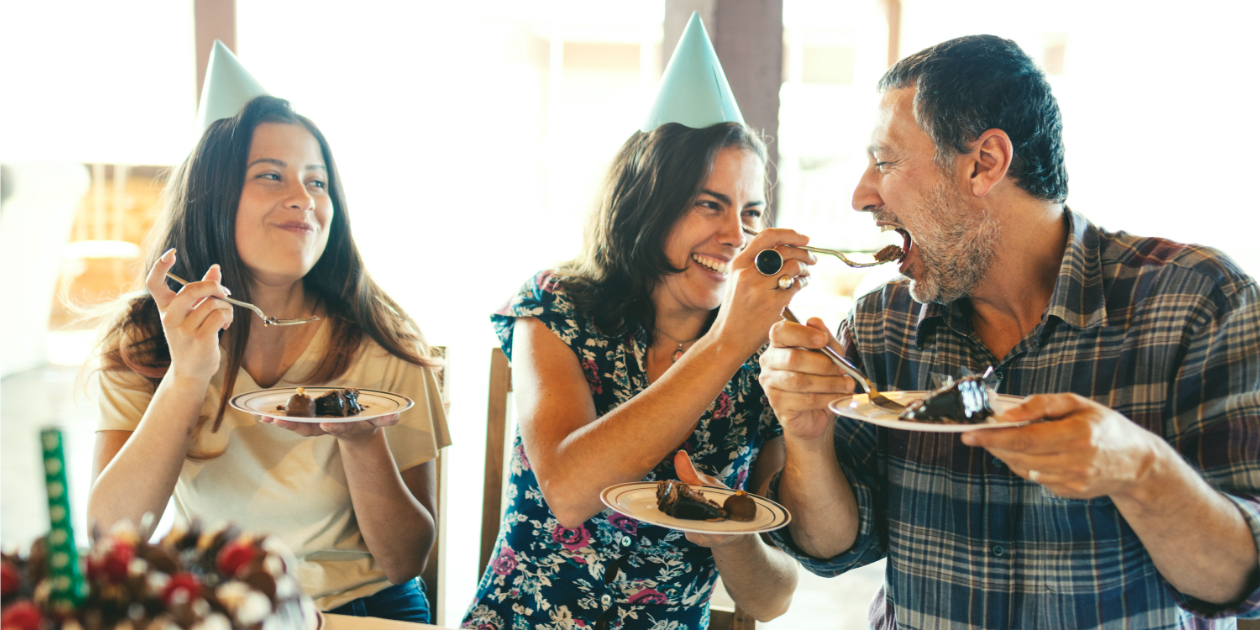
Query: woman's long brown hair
point(654, 180)
point(198, 218)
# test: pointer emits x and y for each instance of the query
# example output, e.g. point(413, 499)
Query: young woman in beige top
point(258, 208)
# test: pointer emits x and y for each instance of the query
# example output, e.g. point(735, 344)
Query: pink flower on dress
point(520, 454)
point(722, 406)
point(624, 523)
point(649, 596)
point(740, 478)
point(592, 376)
point(505, 563)
point(571, 539)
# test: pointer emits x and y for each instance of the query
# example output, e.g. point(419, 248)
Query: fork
point(873, 394)
point(830, 252)
point(267, 321)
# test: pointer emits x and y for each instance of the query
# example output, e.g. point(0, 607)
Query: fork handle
point(225, 299)
point(835, 357)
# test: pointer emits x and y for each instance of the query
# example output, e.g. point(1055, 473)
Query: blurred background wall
point(471, 137)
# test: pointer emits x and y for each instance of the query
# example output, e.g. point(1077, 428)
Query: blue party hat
point(227, 88)
point(693, 90)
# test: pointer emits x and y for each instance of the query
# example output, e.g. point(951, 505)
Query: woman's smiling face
point(710, 234)
point(284, 214)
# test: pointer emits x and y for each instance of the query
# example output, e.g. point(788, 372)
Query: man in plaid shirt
point(1137, 504)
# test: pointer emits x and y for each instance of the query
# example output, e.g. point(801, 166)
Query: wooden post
point(892, 13)
point(212, 19)
point(748, 38)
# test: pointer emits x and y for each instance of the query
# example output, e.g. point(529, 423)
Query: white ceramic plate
point(859, 407)
point(637, 500)
point(270, 402)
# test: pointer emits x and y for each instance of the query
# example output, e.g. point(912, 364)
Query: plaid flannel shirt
point(1166, 334)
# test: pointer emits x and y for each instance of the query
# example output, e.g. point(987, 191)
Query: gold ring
point(786, 282)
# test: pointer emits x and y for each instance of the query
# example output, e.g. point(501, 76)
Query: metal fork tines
point(872, 393)
point(267, 321)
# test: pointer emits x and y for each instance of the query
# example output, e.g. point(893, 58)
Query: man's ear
point(990, 160)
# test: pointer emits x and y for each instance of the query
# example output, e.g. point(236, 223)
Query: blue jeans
point(401, 602)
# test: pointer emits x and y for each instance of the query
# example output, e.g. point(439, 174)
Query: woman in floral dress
point(630, 363)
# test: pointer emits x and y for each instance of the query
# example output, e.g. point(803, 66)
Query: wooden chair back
point(496, 451)
point(433, 576)
point(732, 619)
point(497, 415)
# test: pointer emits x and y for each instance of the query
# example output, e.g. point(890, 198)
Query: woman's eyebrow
point(719, 196)
point(283, 164)
point(280, 163)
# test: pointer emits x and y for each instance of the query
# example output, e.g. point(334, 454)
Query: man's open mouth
point(906, 241)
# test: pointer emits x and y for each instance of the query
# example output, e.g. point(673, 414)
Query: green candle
point(68, 587)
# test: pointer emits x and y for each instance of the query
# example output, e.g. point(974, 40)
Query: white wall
point(34, 225)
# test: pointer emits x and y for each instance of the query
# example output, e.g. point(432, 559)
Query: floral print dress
point(611, 568)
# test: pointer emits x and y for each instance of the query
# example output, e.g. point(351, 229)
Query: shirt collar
point(1078, 298)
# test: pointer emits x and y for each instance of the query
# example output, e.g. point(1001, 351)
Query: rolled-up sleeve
point(1215, 420)
point(851, 437)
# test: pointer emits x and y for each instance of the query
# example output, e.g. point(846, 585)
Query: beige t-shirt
point(273, 481)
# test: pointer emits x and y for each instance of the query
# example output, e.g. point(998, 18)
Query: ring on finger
point(1034, 475)
point(769, 262)
point(786, 282)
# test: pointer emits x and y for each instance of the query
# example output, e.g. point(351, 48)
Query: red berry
point(235, 555)
point(10, 579)
point(186, 582)
point(21, 616)
point(117, 560)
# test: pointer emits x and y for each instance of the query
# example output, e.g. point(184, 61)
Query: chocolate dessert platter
point(193, 579)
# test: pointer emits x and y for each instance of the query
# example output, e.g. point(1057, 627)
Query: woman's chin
point(278, 277)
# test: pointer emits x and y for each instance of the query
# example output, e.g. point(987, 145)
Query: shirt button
point(997, 463)
point(998, 550)
point(1001, 375)
point(625, 541)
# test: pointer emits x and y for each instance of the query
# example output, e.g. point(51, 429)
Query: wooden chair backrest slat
point(433, 576)
point(496, 439)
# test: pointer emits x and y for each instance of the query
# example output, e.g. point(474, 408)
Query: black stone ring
point(769, 262)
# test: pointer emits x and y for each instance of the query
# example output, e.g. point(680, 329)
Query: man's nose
point(866, 196)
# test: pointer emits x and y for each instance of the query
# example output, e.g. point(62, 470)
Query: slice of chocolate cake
point(338, 403)
point(678, 500)
point(964, 401)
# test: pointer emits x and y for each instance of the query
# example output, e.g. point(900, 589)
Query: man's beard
point(956, 246)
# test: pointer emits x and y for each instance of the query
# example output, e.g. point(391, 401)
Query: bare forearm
point(759, 577)
point(820, 528)
point(1211, 555)
point(628, 442)
point(396, 527)
point(140, 477)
